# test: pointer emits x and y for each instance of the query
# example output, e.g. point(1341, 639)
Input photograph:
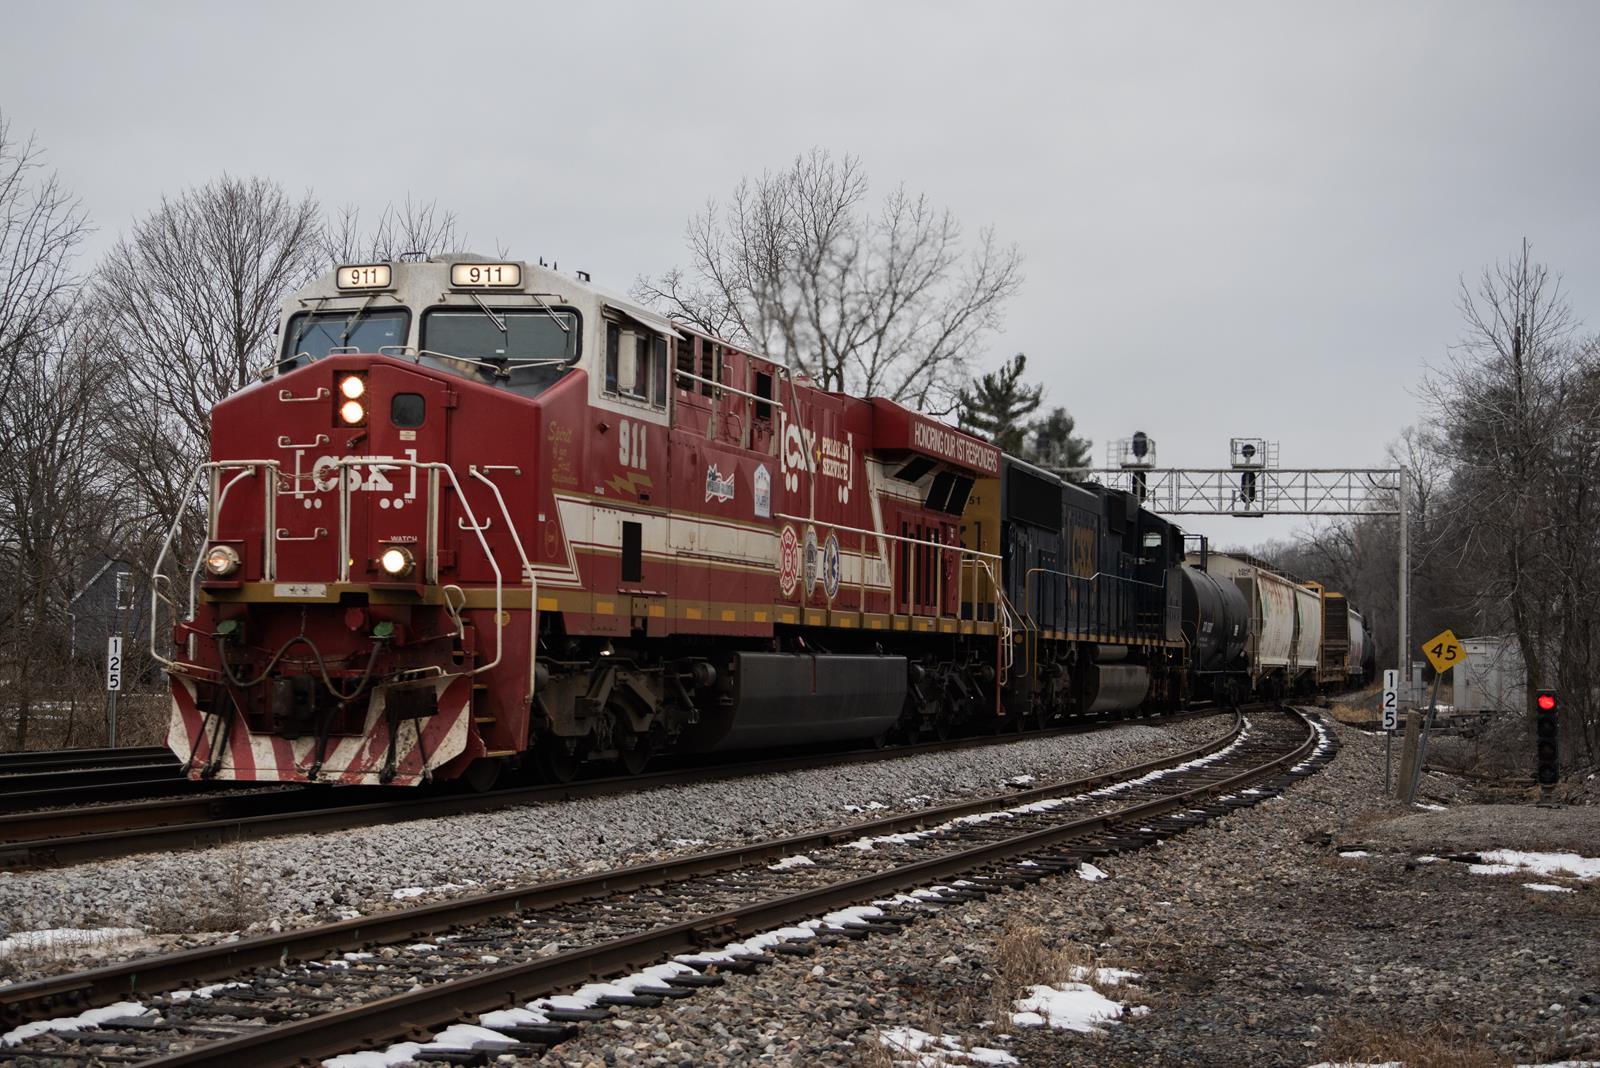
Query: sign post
point(1391, 721)
point(113, 684)
point(1444, 652)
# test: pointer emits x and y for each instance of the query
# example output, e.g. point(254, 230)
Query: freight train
point(482, 515)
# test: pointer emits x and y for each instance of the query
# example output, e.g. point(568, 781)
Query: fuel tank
point(798, 698)
point(1115, 687)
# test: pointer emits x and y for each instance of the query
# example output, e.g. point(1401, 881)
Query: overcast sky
point(1241, 219)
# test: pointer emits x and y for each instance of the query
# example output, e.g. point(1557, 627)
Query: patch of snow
point(82, 1021)
point(1090, 874)
point(935, 1051)
point(870, 806)
point(1512, 861)
point(459, 1037)
point(512, 1018)
point(1354, 854)
point(1547, 888)
point(405, 893)
point(1019, 780)
point(64, 938)
point(1430, 808)
point(396, 1054)
point(180, 996)
point(1067, 1007)
point(1108, 976)
point(453, 1039)
point(799, 861)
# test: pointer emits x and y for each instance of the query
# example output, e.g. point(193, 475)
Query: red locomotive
point(480, 514)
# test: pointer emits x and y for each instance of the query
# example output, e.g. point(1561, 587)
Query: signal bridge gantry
point(1256, 492)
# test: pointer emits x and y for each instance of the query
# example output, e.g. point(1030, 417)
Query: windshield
point(315, 334)
point(529, 335)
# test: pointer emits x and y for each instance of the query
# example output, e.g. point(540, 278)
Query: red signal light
point(1547, 702)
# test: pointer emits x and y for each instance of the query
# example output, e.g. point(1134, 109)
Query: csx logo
point(358, 472)
point(326, 470)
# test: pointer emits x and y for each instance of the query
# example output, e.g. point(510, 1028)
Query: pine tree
point(996, 405)
point(1050, 442)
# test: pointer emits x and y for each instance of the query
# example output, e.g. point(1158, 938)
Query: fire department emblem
point(788, 561)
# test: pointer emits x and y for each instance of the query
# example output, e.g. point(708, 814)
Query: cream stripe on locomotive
point(716, 542)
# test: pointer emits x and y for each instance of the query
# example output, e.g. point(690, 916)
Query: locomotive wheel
point(481, 775)
point(558, 760)
point(633, 752)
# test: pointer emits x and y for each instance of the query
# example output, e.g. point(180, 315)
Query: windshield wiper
point(305, 324)
point(559, 319)
point(350, 323)
point(499, 323)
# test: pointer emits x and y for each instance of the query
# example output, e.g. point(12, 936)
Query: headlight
point(352, 387)
point(352, 412)
point(396, 562)
point(222, 561)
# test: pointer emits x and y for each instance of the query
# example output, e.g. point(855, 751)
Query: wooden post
point(1408, 752)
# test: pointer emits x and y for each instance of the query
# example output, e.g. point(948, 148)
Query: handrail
point(952, 545)
point(213, 469)
point(527, 568)
point(775, 402)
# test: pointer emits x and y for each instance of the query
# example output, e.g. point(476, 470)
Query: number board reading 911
point(486, 275)
point(365, 276)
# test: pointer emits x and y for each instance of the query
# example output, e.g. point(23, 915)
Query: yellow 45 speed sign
point(1444, 651)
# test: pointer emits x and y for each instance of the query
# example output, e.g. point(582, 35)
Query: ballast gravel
point(201, 896)
point(1298, 932)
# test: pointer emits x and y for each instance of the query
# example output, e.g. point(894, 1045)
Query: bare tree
point(888, 302)
point(41, 227)
point(191, 296)
point(54, 495)
point(1518, 408)
point(411, 230)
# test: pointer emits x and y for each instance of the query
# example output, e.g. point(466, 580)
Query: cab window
point(312, 335)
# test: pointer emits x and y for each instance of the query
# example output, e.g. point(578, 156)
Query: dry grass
point(1024, 957)
point(228, 900)
point(1435, 1045)
point(1355, 715)
point(872, 1053)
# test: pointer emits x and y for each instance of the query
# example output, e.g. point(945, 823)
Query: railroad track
point(288, 1002)
point(63, 759)
point(78, 776)
point(200, 818)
